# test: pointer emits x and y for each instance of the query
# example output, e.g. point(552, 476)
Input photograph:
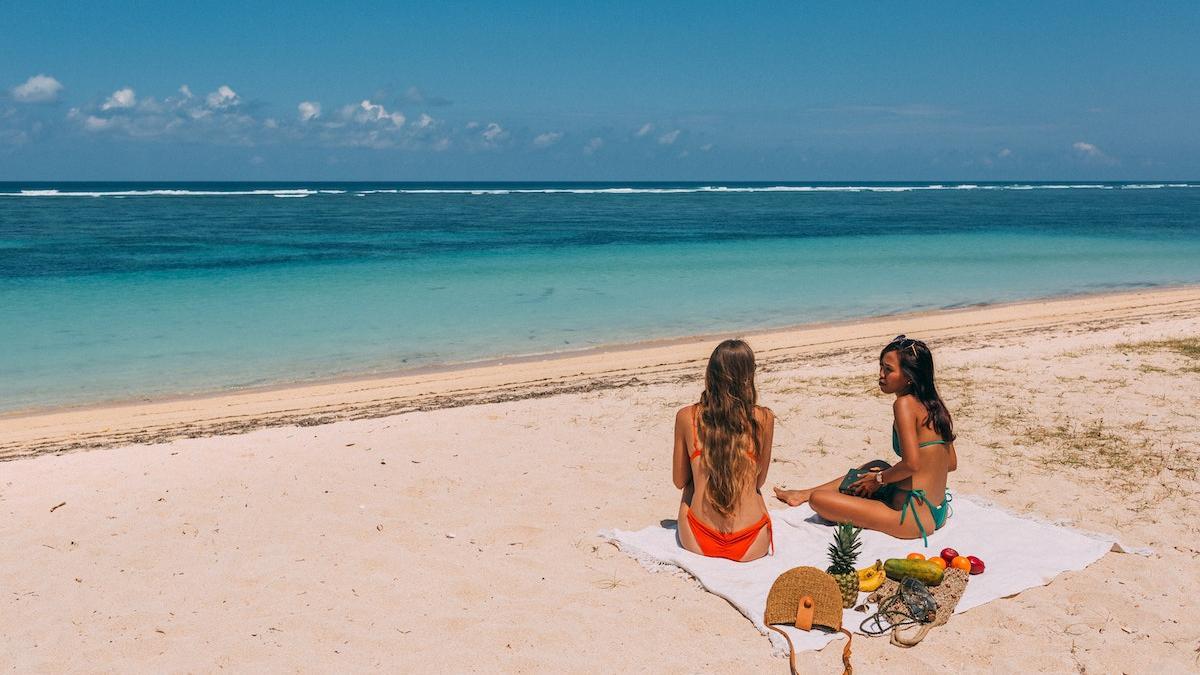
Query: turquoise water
point(136, 291)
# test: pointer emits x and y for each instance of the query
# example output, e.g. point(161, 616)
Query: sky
point(599, 91)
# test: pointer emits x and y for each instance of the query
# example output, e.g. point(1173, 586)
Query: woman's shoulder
point(909, 404)
point(764, 414)
point(686, 412)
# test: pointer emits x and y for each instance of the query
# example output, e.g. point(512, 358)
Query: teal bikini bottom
point(940, 512)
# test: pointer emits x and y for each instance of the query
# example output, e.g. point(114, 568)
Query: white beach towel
point(1002, 540)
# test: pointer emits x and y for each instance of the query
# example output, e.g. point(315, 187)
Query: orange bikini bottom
point(733, 545)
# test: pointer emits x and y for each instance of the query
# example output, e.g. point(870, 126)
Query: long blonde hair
point(729, 428)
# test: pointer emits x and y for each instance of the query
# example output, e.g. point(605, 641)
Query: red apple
point(977, 565)
point(949, 554)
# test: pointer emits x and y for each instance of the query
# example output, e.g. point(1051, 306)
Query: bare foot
point(792, 497)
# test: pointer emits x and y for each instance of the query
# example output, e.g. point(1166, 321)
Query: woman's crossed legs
point(864, 512)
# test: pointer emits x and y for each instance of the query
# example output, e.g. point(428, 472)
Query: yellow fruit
point(872, 583)
point(871, 578)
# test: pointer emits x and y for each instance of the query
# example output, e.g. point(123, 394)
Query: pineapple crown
point(843, 552)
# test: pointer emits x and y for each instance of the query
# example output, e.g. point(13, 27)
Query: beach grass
point(1125, 455)
point(1189, 347)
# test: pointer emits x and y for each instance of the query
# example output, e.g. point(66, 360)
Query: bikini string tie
point(908, 507)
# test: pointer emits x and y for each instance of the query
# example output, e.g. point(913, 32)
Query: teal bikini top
point(896, 443)
point(939, 512)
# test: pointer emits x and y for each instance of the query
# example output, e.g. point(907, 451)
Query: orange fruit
point(919, 556)
point(961, 563)
point(938, 560)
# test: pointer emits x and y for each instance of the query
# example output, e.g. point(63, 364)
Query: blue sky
point(599, 91)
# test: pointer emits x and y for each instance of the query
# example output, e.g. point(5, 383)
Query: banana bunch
point(871, 578)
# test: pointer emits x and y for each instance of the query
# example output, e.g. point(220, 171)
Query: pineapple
point(843, 554)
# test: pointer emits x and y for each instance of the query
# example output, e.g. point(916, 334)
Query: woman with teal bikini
point(908, 499)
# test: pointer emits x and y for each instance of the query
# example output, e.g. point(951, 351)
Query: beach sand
point(448, 521)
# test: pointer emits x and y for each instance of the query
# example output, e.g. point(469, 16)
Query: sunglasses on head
point(903, 342)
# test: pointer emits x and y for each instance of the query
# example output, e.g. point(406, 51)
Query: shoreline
point(29, 433)
point(436, 369)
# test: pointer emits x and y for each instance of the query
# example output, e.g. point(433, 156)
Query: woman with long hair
point(909, 499)
point(721, 456)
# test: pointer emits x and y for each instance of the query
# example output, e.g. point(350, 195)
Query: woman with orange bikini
point(722, 453)
point(909, 499)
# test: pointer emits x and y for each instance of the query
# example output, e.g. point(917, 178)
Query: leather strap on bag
point(791, 647)
point(804, 613)
point(847, 669)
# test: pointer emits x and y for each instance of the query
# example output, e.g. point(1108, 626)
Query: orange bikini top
point(697, 448)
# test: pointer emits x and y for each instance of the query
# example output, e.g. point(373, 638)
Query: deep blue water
point(119, 291)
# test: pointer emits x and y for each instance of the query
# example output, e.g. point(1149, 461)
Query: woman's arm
point(767, 427)
point(681, 466)
point(953, 458)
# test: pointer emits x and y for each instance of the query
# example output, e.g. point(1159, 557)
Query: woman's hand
point(867, 485)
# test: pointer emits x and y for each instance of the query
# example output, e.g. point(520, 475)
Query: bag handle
point(910, 640)
point(847, 669)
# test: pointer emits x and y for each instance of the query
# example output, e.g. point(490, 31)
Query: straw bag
point(807, 598)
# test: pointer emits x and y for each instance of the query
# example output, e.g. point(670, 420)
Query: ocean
point(133, 291)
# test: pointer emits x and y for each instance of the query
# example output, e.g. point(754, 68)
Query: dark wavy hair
point(916, 362)
point(729, 427)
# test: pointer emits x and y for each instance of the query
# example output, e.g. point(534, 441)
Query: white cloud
point(183, 117)
point(669, 137)
point(222, 98)
point(309, 110)
point(1004, 153)
point(593, 145)
point(1092, 153)
point(493, 132)
point(121, 98)
point(706, 147)
point(547, 139)
point(93, 123)
point(646, 128)
point(223, 118)
point(368, 125)
point(37, 89)
point(367, 113)
point(472, 125)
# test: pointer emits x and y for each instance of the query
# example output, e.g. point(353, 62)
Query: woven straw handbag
point(807, 598)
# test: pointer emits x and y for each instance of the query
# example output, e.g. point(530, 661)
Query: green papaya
point(923, 571)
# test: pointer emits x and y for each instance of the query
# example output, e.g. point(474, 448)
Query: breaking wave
point(632, 190)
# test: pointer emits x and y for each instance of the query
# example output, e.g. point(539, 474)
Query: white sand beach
point(448, 521)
